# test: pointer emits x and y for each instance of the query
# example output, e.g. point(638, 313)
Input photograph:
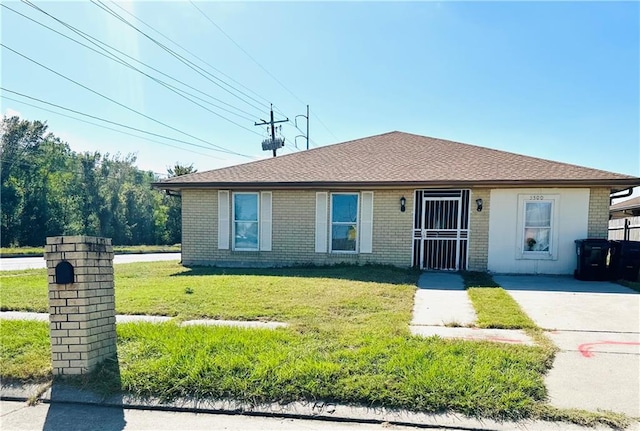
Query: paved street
point(19, 263)
point(76, 417)
point(596, 325)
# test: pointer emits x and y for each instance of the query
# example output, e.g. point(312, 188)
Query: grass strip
point(478, 379)
point(494, 306)
point(583, 418)
point(254, 366)
point(119, 249)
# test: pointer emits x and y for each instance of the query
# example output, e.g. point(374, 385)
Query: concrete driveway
point(596, 326)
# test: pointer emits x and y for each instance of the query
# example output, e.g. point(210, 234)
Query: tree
point(179, 170)
point(29, 187)
point(48, 189)
point(174, 203)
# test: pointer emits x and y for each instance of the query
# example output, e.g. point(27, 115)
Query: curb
point(318, 411)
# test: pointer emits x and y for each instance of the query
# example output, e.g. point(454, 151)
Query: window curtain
point(537, 226)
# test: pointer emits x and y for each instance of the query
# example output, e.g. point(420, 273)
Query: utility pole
point(296, 123)
point(273, 143)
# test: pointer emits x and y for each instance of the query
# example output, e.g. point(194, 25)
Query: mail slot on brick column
point(64, 273)
point(82, 319)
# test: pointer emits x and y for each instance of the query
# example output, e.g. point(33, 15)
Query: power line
point(325, 126)
point(182, 59)
point(222, 149)
point(106, 127)
point(110, 122)
point(312, 143)
point(190, 52)
point(114, 58)
point(243, 50)
point(112, 174)
point(260, 65)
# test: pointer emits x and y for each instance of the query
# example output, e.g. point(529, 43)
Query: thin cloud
point(12, 113)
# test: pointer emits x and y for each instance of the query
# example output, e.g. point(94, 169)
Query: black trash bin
point(624, 262)
point(592, 259)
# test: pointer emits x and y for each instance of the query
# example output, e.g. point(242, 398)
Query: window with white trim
point(537, 226)
point(537, 235)
point(246, 223)
point(344, 222)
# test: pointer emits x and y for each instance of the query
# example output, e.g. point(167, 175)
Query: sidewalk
point(442, 308)
point(128, 318)
point(334, 416)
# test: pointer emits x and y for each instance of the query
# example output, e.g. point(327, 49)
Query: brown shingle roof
point(625, 205)
point(398, 158)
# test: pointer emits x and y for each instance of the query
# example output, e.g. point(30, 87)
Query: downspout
point(613, 195)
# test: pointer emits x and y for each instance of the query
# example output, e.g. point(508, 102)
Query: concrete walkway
point(441, 300)
point(596, 326)
point(128, 318)
point(442, 308)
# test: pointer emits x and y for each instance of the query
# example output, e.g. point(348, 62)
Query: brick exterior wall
point(293, 231)
point(199, 226)
point(599, 213)
point(479, 230)
point(81, 313)
point(293, 234)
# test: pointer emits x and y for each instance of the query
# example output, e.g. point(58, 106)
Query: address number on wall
point(536, 197)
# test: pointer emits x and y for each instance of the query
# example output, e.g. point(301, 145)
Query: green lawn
point(348, 342)
point(494, 306)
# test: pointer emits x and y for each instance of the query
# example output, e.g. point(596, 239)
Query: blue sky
point(557, 80)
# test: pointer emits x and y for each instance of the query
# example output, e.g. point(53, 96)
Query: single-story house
point(624, 223)
point(625, 209)
point(398, 199)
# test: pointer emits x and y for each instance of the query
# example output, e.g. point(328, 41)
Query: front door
point(441, 229)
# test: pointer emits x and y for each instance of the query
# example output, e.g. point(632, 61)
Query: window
point(245, 221)
point(537, 235)
point(537, 226)
point(344, 222)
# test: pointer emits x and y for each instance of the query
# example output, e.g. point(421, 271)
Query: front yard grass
point(494, 306)
point(348, 342)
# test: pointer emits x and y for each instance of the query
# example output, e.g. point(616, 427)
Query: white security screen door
point(441, 229)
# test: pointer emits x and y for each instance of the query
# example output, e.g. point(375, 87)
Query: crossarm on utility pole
point(272, 123)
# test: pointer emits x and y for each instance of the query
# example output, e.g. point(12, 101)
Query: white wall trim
point(223, 219)
point(265, 221)
point(366, 223)
point(322, 219)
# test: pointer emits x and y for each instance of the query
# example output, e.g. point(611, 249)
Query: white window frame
point(552, 253)
point(331, 223)
point(234, 221)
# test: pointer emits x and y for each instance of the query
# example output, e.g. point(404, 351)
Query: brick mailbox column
point(81, 302)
